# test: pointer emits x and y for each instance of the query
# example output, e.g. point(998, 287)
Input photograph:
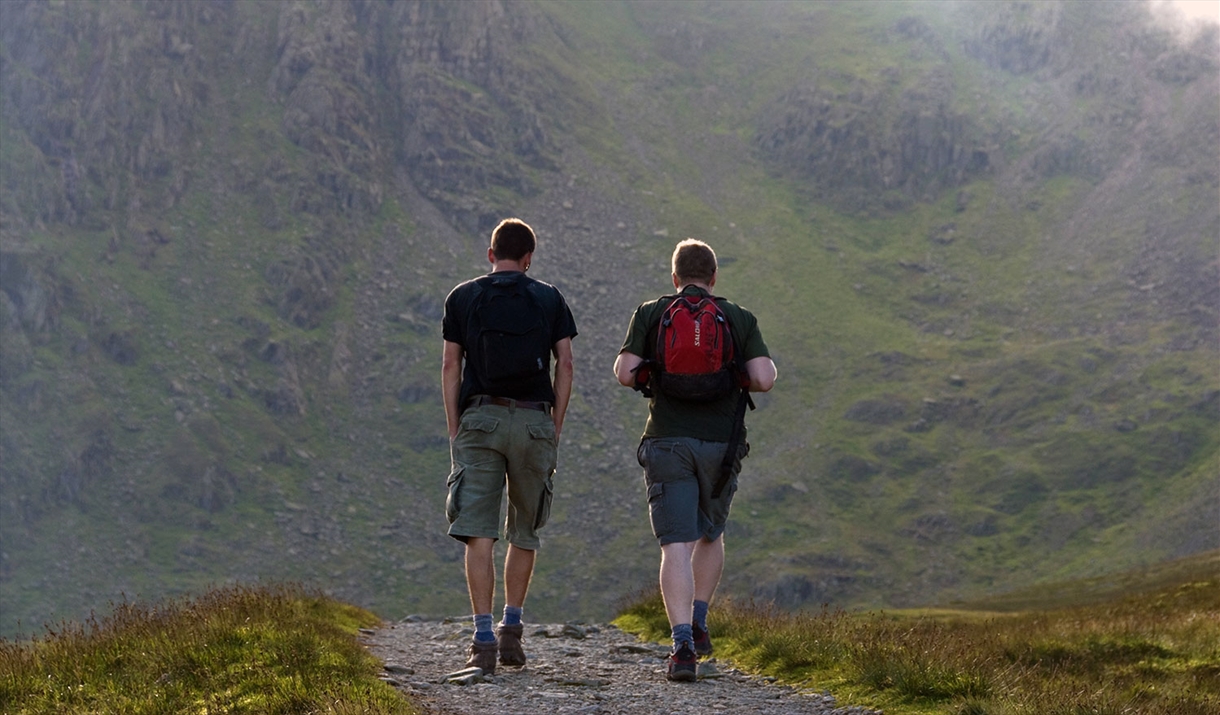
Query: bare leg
point(480, 573)
point(518, 569)
point(707, 562)
point(678, 581)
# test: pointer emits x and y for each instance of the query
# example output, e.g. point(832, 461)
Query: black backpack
point(508, 333)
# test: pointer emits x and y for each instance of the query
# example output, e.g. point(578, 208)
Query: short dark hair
point(694, 260)
point(512, 239)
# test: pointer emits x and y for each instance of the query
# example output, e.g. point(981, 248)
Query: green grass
point(1146, 642)
point(275, 649)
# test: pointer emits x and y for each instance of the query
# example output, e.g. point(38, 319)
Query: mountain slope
point(982, 245)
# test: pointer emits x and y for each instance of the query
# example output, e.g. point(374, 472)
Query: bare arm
point(451, 385)
point(762, 374)
point(564, 370)
point(624, 368)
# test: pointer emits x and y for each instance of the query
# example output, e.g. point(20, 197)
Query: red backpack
point(694, 357)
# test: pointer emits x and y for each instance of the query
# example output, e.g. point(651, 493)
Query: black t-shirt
point(456, 322)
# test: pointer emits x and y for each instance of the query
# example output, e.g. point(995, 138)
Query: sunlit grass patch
point(1153, 652)
point(234, 650)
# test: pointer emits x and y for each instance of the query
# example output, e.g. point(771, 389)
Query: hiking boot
point(511, 652)
point(680, 666)
point(483, 656)
point(703, 641)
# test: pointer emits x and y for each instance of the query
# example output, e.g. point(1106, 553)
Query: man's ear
point(674, 276)
point(491, 256)
point(712, 282)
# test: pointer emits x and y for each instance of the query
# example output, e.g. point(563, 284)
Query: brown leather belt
point(479, 400)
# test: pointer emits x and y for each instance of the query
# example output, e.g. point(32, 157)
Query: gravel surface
point(573, 668)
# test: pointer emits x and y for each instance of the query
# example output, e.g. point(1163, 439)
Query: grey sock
point(482, 628)
point(699, 617)
point(682, 634)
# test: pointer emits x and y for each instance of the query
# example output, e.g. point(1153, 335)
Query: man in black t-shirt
point(684, 453)
point(505, 413)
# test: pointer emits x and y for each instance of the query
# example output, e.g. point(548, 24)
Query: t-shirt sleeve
point(753, 345)
point(451, 328)
point(565, 325)
point(636, 341)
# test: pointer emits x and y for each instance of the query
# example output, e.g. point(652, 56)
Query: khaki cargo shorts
point(496, 446)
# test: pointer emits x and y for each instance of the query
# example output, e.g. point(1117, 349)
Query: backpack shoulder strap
point(654, 327)
point(730, 450)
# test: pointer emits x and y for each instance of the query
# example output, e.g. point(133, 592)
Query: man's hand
point(626, 366)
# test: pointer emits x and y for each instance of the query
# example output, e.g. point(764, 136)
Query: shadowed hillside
point(982, 241)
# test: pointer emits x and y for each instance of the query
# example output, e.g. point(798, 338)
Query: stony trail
point(573, 669)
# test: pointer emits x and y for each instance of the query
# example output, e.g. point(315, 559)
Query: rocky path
point(573, 669)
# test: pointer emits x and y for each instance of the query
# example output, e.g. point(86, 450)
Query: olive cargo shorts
point(680, 474)
point(495, 444)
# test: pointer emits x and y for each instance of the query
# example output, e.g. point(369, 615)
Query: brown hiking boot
point(483, 655)
point(511, 652)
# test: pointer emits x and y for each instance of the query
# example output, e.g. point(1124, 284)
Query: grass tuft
point(274, 649)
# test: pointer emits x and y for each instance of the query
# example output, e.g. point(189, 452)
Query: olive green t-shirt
point(668, 417)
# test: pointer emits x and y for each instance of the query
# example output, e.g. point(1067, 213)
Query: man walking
point(689, 471)
point(505, 413)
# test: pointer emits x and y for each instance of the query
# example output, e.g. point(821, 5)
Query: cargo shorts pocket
point(453, 483)
point(542, 456)
point(657, 513)
point(479, 423)
point(544, 504)
point(542, 430)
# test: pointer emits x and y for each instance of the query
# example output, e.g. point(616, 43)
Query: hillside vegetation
point(272, 649)
point(1150, 647)
point(981, 240)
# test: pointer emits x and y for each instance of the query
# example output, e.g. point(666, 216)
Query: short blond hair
point(694, 260)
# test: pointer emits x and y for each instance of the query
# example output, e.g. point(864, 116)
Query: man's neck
point(504, 266)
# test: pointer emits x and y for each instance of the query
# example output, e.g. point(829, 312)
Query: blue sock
point(700, 615)
point(482, 628)
point(512, 615)
point(682, 634)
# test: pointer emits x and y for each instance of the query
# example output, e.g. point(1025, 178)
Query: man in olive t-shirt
point(682, 450)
